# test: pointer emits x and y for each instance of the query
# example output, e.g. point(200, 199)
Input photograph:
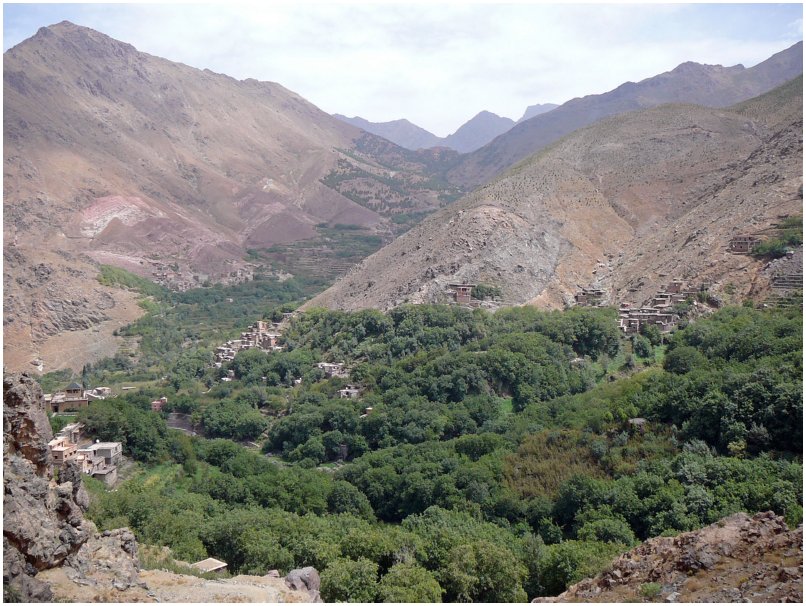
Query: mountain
point(119, 157)
point(536, 110)
point(708, 85)
point(625, 205)
point(480, 129)
point(400, 132)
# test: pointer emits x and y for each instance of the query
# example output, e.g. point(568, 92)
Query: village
point(100, 459)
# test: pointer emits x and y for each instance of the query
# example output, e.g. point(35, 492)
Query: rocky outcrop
point(43, 519)
point(51, 553)
point(738, 559)
point(305, 579)
point(26, 430)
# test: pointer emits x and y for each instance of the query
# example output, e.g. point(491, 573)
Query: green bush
point(347, 580)
point(409, 583)
point(566, 563)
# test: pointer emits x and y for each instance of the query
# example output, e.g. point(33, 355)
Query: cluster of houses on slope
point(261, 335)
point(660, 312)
point(96, 459)
point(74, 398)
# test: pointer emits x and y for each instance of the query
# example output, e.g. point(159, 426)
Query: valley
point(331, 360)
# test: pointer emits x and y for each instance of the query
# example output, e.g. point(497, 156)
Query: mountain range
point(624, 205)
point(119, 157)
point(473, 134)
point(113, 156)
point(708, 85)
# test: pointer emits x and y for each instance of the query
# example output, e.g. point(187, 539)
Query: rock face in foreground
point(51, 553)
point(738, 559)
point(43, 521)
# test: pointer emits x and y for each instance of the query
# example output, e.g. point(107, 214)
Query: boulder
point(305, 579)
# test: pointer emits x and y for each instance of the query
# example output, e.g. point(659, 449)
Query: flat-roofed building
point(61, 450)
point(210, 565)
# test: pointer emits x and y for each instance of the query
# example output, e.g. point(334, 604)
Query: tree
point(409, 583)
point(346, 498)
point(347, 580)
point(484, 572)
point(572, 561)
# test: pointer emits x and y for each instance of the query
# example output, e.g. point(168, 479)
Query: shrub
point(409, 583)
point(650, 590)
point(347, 580)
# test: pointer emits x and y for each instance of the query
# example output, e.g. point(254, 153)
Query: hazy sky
point(437, 64)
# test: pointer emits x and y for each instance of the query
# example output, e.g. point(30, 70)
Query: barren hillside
point(709, 85)
point(626, 204)
point(116, 156)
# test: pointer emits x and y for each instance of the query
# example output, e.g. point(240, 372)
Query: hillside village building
point(350, 392)
point(71, 399)
point(462, 293)
point(156, 405)
point(62, 450)
point(632, 320)
point(333, 369)
point(99, 460)
point(743, 243)
point(590, 297)
point(261, 335)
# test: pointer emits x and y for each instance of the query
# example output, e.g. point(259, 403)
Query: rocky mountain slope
point(52, 553)
point(479, 130)
point(626, 205)
point(709, 85)
point(738, 559)
point(116, 156)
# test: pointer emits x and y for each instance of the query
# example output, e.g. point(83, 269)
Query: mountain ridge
point(113, 156)
point(471, 135)
point(689, 82)
point(676, 180)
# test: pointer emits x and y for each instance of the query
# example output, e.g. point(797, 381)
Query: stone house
point(743, 243)
point(461, 293)
point(71, 399)
point(62, 450)
point(333, 369)
point(156, 405)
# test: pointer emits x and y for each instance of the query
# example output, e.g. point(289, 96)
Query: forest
point(489, 457)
